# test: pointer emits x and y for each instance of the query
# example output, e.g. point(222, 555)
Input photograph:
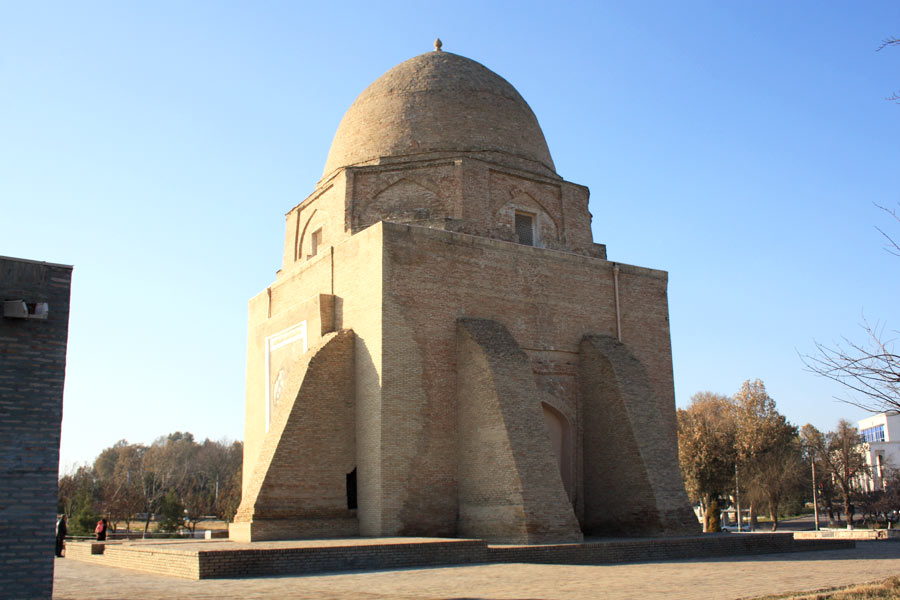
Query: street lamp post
point(737, 498)
point(815, 490)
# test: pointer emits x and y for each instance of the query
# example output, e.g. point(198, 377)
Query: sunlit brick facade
point(445, 350)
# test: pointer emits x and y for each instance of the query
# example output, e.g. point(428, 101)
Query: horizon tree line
point(175, 478)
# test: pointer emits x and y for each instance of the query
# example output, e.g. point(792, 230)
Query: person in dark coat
point(61, 530)
point(100, 530)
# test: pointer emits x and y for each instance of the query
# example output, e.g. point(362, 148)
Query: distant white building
point(881, 434)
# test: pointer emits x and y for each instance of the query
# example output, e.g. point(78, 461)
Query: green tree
point(171, 511)
point(78, 497)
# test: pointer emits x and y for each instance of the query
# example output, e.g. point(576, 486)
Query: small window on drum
point(525, 228)
point(315, 242)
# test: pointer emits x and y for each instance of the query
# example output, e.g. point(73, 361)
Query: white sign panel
point(282, 350)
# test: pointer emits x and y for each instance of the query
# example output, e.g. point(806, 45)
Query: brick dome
point(435, 105)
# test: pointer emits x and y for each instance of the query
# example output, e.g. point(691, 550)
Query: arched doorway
point(561, 442)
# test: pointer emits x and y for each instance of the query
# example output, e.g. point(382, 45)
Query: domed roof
point(436, 104)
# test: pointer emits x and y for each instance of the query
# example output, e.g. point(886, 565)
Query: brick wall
point(325, 209)
point(548, 301)
point(32, 373)
point(352, 270)
point(401, 290)
point(298, 486)
point(216, 560)
point(288, 310)
point(158, 559)
point(642, 550)
point(510, 487)
point(456, 194)
point(632, 484)
point(437, 104)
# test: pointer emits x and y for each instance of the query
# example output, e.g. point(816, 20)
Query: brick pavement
point(743, 577)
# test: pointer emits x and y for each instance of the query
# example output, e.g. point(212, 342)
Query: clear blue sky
point(156, 146)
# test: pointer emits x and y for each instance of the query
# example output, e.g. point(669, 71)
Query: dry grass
point(886, 590)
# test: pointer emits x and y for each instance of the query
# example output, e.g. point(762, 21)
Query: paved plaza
point(741, 577)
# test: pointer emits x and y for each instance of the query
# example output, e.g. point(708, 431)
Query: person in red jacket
point(100, 530)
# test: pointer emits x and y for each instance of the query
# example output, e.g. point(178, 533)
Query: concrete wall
point(32, 374)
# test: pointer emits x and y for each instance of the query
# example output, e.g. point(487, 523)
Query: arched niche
point(403, 201)
point(561, 442)
point(313, 236)
point(546, 230)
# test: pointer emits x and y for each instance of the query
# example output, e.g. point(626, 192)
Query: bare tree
point(209, 479)
point(845, 460)
point(767, 452)
point(777, 475)
point(164, 467)
point(891, 41)
point(117, 470)
point(869, 369)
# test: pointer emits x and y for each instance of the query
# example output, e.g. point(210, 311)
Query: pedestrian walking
point(61, 530)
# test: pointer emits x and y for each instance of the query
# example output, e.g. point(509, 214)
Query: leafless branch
point(891, 41)
point(892, 245)
point(870, 371)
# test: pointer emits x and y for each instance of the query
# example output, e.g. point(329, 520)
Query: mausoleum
point(445, 351)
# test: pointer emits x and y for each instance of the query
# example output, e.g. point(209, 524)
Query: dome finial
point(437, 44)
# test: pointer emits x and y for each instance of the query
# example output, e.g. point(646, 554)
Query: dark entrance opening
point(351, 489)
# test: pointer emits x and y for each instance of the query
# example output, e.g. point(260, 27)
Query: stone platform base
point(298, 529)
point(211, 559)
point(848, 534)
